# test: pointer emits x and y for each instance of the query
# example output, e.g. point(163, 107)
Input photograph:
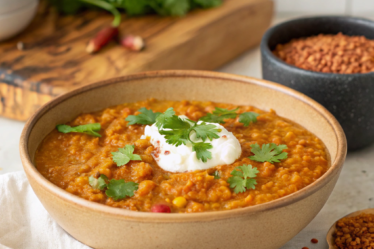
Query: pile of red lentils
point(329, 53)
point(355, 232)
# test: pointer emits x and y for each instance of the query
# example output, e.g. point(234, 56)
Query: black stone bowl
point(349, 97)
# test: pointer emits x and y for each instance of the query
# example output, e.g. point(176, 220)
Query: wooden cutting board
point(54, 60)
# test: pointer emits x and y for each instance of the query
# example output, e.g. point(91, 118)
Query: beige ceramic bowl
point(264, 226)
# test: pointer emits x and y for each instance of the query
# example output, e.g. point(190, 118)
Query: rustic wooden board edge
point(20, 98)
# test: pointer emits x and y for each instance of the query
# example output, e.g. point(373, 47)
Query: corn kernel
point(180, 202)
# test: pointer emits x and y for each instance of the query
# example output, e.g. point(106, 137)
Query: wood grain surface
point(54, 60)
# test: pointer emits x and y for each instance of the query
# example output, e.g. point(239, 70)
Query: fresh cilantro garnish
point(178, 131)
point(271, 153)
point(146, 117)
point(99, 183)
point(216, 175)
point(220, 114)
point(241, 179)
point(89, 129)
point(248, 117)
point(202, 151)
point(206, 131)
point(161, 119)
point(119, 189)
point(124, 155)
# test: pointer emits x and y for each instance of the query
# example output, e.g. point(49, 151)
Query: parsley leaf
point(216, 175)
point(176, 137)
point(89, 129)
point(146, 117)
point(271, 153)
point(124, 155)
point(202, 152)
point(119, 189)
point(160, 120)
point(225, 112)
point(99, 183)
point(205, 131)
point(241, 180)
point(116, 189)
point(211, 118)
point(248, 117)
point(219, 114)
point(177, 131)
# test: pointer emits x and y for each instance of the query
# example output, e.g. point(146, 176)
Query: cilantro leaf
point(219, 115)
point(237, 183)
point(89, 129)
point(241, 179)
point(248, 117)
point(205, 131)
point(177, 132)
point(161, 119)
point(202, 152)
point(176, 123)
point(225, 112)
point(124, 155)
point(248, 171)
point(99, 183)
point(119, 189)
point(271, 153)
point(211, 118)
point(146, 117)
point(176, 137)
point(216, 175)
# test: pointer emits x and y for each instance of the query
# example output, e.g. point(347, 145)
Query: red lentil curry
point(70, 160)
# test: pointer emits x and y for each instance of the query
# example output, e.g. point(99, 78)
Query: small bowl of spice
point(331, 59)
point(354, 231)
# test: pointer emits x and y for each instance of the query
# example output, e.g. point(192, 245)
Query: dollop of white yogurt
point(226, 149)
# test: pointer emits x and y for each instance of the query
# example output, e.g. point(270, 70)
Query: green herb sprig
point(242, 178)
point(124, 155)
point(178, 131)
point(220, 114)
point(116, 189)
point(271, 153)
point(146, 117)
point(89, 129)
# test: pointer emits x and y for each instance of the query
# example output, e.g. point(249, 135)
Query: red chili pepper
point(101, 39)
point(160, 208)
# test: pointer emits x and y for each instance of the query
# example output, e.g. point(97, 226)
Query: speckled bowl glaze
point(349, 97)
point(265, 226)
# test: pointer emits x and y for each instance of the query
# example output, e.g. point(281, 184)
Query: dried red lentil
point(329, 53)
point(355, 232)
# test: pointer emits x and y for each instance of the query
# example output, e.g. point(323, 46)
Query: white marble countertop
point(353, 191)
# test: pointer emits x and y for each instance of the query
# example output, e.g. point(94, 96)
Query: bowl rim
point(266, 50)
point(16, 9)
point(33, 173)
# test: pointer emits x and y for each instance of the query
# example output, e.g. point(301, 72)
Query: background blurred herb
point(136, 7)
